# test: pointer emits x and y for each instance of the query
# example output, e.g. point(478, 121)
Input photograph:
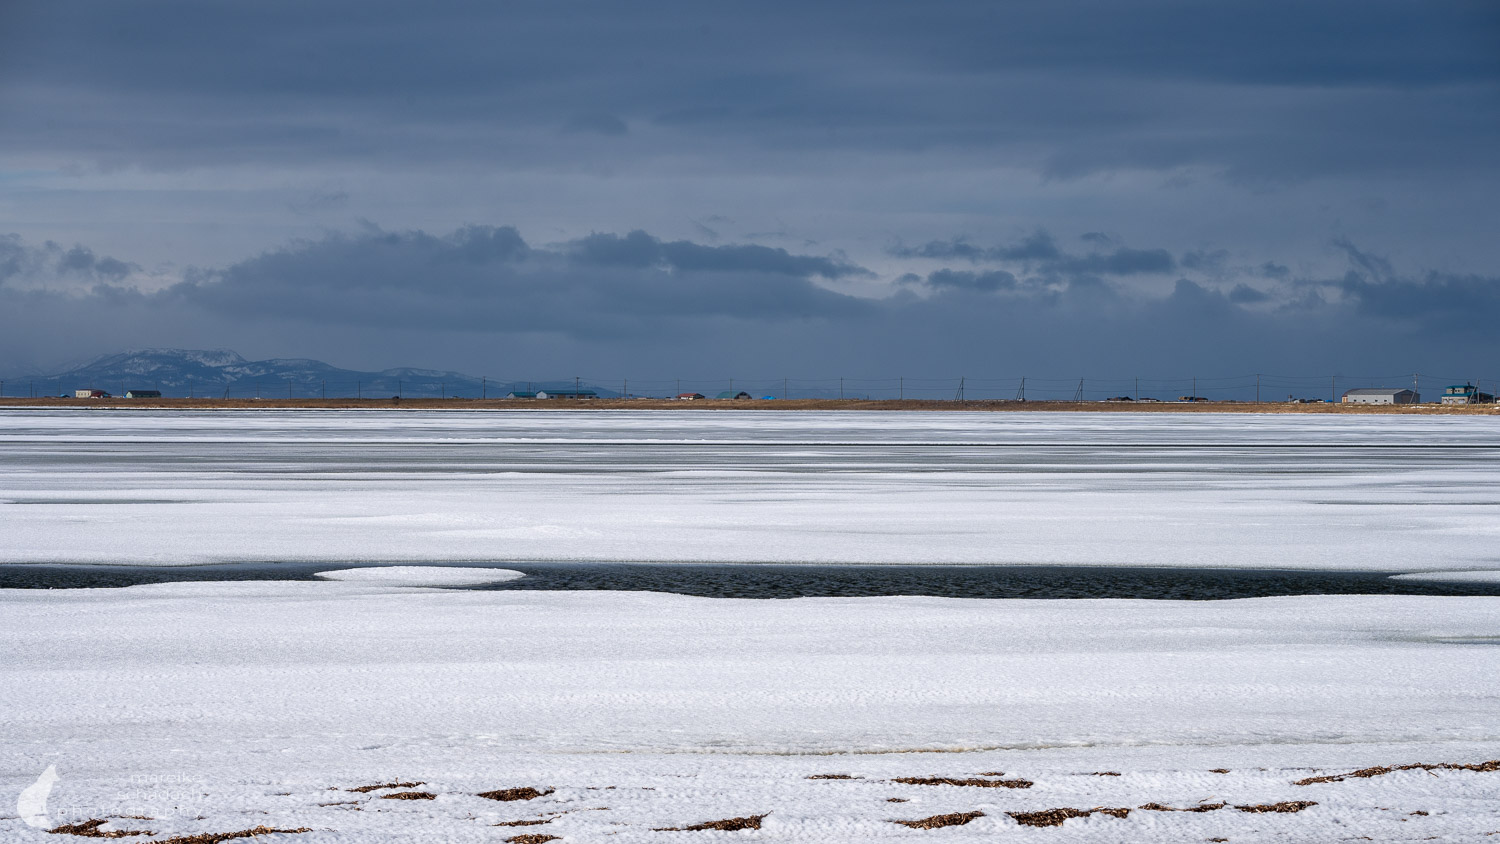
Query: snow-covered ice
point(215, 707)
point(247, 702)
point(422, 575)
point(1231, 490)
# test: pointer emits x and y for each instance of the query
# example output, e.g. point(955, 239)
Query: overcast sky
point(659, 189)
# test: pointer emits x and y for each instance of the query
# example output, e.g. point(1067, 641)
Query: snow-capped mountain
point(221, 372)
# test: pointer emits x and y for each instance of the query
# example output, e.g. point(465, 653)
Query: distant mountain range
point(220, 372)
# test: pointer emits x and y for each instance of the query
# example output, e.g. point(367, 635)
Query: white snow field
point(1230, 490)
point(217, 707)
point(183, 709)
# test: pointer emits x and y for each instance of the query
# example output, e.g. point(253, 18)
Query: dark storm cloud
point(1268, 89)
point(1039, 252)
point(1244, 294)
point(52, 262)
point(484, 278)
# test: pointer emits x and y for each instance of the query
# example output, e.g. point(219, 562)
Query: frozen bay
point(212, 707)
point(1201, 490)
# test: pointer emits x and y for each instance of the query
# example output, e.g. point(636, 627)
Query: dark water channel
point(791, 581)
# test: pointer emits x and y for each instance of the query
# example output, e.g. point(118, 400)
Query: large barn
point(1381, 395)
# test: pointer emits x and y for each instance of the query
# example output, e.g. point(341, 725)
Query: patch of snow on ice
point(422, 575)
point(1452, 576)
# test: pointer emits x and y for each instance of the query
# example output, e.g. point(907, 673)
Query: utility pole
point(1257, 388)
point(1078, 396)
point(1334, 399)
point(625, 388)
point(1137, 388)
point(785, 393)
point(959, 396)
point(1021, 393)
point(841, 387)
point(442, 389)
point(1195, 386)
point(359, 389)
point(901, 387)
point(484, 388)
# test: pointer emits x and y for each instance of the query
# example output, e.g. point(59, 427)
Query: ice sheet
point(222, 706)
point(1233, 490)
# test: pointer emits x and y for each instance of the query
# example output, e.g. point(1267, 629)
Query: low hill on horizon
point(224, 373)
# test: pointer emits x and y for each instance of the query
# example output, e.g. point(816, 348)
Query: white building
point(1381, 395)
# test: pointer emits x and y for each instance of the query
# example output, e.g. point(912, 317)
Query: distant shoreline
point(748, 404)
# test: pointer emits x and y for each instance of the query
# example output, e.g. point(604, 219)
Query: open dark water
point(787, 581)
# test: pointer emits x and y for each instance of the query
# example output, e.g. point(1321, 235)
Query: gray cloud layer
point(1069, 184)
point(649, 305)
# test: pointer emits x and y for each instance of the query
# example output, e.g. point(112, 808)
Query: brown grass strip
point(968, 783)
point(726, 825)
point(366, 789)
point(1055, 817)
point(409, 795)
point(216, 837)
point(1382, 770)
point(1201, 807)
point(1047, 817)
point(90, 829)
point(1287, 808)
point(510, 795)
point(939, 821)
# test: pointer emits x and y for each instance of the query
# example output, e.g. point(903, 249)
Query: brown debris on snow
point(366, 789)
point(409, 795)
point(216, 837)
point(1201, 807)
point(897, 800)
point(508, 795)
point(726, 825)
point(535, 822)
point(1218, 770)
point(1382, 770)
point(532, 838)
point(90, 829)
point(969, 783)
point(1105, 774)
point(832, 777)
point(939, 821)
point(1285, 808)
point(1047, 817)
point(1055, 817)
